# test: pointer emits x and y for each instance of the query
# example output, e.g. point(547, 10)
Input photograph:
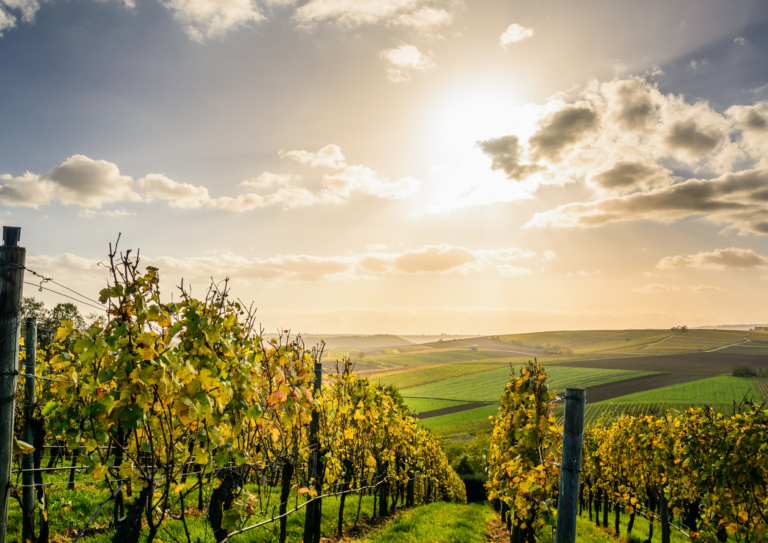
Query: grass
point(404, 378)
point(715, 390)
point(461, 417)
point(587, 532)
point(439, 523)
point(435, 357)
point(70, 509)
point(488, 385)
point(422, 405)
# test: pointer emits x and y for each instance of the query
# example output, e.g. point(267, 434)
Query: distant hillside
point(430, 338)
point(377, 341)
point(730, 327)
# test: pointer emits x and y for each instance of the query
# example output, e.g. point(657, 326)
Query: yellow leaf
point(178, 488)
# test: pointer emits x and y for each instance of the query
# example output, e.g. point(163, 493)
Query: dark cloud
point(690, 137)
point(756, 121)
point(733, 199)
point(505, 152)
point(719, 259)
point(631, 175)
point(635, 110)
point(561, 129)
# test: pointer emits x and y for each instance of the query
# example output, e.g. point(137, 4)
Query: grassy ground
point(420, 405)
point(587, 532)
point(488, 385)
point(404, 378)
point(464, 432)
point(437, 523)
point(70, 509)
point(461, 417)
point(715, 390)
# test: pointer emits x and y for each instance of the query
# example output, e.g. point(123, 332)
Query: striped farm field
point(461, 417)
point(762, 386)
point(429, 374)
point(488, 385)
point(723, 389)
point(603, 412)
point(422, 405)
point(337, 353)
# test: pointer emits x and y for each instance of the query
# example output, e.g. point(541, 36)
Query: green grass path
point(437, 523)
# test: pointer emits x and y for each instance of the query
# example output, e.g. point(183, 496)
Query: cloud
point(93, 183)
point(78, 180)
point(740, 41)
point(267, 180)
point(115, 213)
point(656, 288)
point(694, 138)
point(24, 10)
point(704, 289)
point(627, 176)
point(737, 200)
point(286, 198)
point(205, 19)
point(328, 157)
point(180, 195)
point(719, 259)
point(426, 259)
point(420, 14)
point(505, 152)
point(562, 129)
point(513, 34)
point(549, 255)
point(365, 180)
point(403, 61)
point(583, 273)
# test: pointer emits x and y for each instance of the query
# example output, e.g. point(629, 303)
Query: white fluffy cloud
point(422, 260)
point(78, 180)
point(514, 33)
point(329, 156)
point(424, 15)
point(204, 19)
point(732, 258)
point(91, 184)
point(403, 61)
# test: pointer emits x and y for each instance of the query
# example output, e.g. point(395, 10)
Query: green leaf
point(231, 520)
point(49, 408)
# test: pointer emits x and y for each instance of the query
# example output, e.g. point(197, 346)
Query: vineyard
point(698, 471)
point(184, 424)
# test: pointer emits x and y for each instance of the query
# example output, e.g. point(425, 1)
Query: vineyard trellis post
point(314, 509)
point(12, 258)
point(28, 460)
point(570, 465)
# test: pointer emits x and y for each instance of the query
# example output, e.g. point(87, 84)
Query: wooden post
point(12, 259)
point(312, 517)
point(570, 466)
point(28, 460)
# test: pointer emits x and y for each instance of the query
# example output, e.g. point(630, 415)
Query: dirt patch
point(451, 410)
point(702, 363)
point(497, 531)
point(609, 391)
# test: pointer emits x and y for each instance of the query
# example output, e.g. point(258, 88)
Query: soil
point(609, 391)
point(451, 410)
point(702, 363)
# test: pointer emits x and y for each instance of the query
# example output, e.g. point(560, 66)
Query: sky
point(398, 166)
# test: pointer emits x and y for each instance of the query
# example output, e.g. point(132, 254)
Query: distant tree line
point(48, 320)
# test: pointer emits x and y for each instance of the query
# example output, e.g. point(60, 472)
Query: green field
point(437, 522)
point(422, 405)
point(487, 386)
point(715, 390)
point(464, 431)
point(461, 417)
point(603, 412)
point(428, 374)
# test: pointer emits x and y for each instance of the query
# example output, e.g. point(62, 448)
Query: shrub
point(745, 370)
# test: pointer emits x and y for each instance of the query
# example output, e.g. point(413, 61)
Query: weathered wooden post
point(12, 259)
point(28, 460)
point(570, 465)
point(314, 509)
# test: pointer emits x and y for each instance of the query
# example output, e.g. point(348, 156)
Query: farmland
point(487, 385)
point(624, 370)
